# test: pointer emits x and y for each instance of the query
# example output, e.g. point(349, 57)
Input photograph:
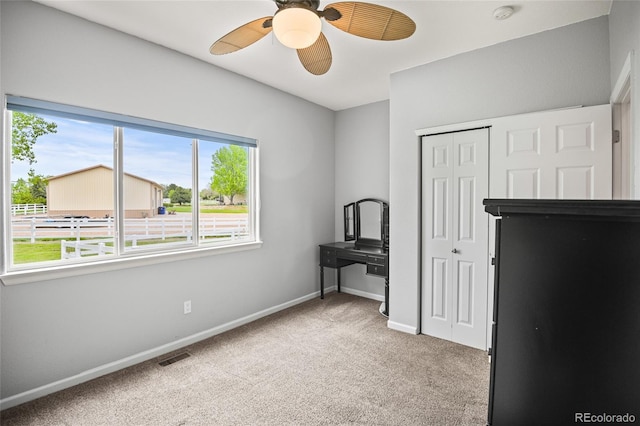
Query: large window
point(87, 186)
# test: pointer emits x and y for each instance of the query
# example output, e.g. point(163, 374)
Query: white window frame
point(122, 259)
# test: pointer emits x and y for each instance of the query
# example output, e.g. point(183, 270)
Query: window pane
point(66, 201)
point(61, 189)
point(157, 190)
point(223, 172)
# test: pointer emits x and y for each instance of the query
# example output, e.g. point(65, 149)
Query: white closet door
point(564, 154)
point(455, 236)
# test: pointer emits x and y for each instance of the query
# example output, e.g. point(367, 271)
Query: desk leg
point(321, 282)
point(386, 297)
point(338, 280)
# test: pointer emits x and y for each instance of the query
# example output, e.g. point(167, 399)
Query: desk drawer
point(375, 269)
point(327, 257)
point(328, 261)
point(327, 252)
point(357, 257)
point(380, 260)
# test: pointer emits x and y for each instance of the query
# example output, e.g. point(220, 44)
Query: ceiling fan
point(297, 25)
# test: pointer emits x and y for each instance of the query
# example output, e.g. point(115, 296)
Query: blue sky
point(76, 145)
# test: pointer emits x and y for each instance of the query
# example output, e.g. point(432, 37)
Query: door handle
point(454, 251)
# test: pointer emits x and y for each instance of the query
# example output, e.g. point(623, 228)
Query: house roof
point(86, 169)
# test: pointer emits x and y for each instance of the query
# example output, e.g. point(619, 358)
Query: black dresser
point(566, 321)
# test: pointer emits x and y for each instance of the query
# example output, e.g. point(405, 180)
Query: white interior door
point(562, 154)
point(455, 178)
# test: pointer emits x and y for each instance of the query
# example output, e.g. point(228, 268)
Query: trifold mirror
point(367, 222)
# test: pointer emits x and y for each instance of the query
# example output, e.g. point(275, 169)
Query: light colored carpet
point(324, 362)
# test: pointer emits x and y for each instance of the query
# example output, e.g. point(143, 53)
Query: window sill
point(72, 270)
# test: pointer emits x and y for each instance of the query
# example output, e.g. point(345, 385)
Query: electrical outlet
point(187, 307)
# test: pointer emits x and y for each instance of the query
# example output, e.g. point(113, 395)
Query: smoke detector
point(503, 12)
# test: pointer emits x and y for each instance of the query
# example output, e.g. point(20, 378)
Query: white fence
point(74, 249)
point(25, 209)
point(223, 230)
point(92, 231)
point(39, 227)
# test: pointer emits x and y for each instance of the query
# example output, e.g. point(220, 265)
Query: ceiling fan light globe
point(296, 27)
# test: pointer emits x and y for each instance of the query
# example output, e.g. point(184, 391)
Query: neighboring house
point(89, 192)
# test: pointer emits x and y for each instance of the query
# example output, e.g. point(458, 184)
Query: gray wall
point(558, 68)
point(53, 330)
point(624, 35)
point(362, 171)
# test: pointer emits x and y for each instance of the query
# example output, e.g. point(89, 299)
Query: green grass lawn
point(210, 209)
point(41, 251)
point(44, 250)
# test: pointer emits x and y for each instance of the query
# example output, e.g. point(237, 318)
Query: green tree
point(25, 130)
point(30, 191)
point(229, 166)
point(166, 190)
point(38, 188)
point(180, 195)
point(207, 194)
point(20, 193)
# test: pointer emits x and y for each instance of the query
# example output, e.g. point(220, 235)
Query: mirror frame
point(349, 214)
point(383, 242)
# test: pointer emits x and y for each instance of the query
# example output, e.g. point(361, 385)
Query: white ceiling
point(361, 67)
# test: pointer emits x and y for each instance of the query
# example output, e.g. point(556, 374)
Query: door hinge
point(616, 136)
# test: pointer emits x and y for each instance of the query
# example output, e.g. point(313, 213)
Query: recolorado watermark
point(604, 418)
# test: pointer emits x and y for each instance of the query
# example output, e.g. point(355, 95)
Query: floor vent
point(174, 359)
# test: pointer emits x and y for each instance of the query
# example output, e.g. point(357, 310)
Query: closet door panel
point(454, 236)
point(470, 248)
point(437, 236)
point(562, 154)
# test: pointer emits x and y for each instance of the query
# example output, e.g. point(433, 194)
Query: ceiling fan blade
point(316, 58)
point(370, 20)
point(242, 36)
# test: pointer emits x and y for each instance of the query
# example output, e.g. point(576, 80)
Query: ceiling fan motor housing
point(330, 14)
point(307, 4)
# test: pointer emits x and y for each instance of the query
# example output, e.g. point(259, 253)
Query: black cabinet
point(566, 332)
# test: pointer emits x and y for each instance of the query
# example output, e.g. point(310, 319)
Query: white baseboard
point(111, 367)
point(329, 289)
point(402, 327)
point(361, 293)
